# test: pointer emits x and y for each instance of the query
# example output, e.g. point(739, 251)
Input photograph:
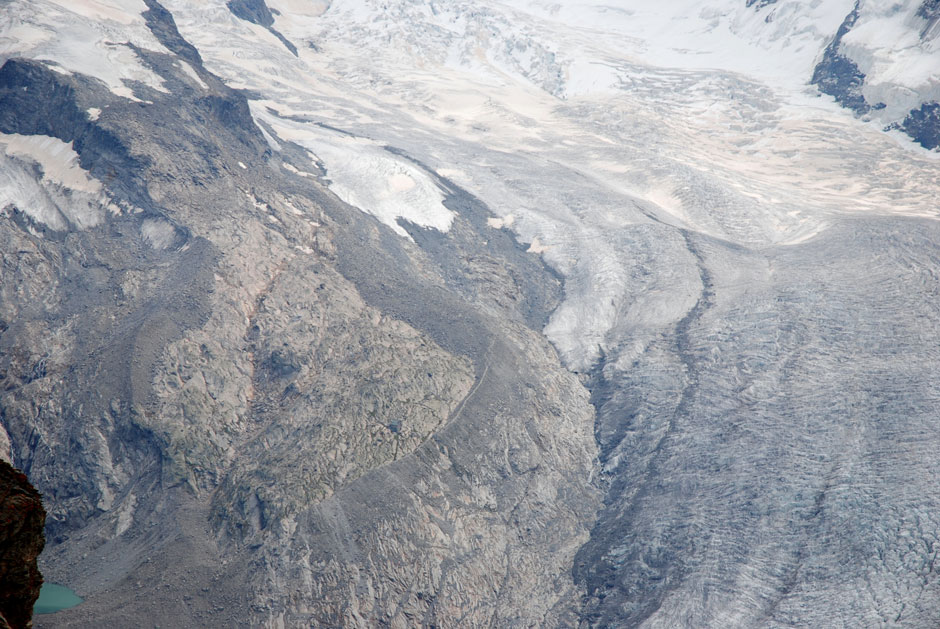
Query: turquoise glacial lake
point(54, 598)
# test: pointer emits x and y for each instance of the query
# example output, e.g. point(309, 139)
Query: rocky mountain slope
point(461, 314)
point(247, 402)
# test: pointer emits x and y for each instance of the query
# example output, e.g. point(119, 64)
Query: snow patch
point(451, 173)
point(499, 223)
point(158, 233)
point(126, 514)
point(299, 8)
point(367, 176)
point(191, 73)
point(59, 162)
point(400, 182)
point(6, 449)
point(537, 247)
point(301, 173)
point(65, 193)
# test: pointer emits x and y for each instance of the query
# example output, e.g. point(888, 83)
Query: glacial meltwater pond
point(54, 598)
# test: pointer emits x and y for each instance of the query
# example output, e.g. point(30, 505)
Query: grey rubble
point(246, 403)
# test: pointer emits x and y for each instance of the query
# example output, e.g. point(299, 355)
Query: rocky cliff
point(21, 540)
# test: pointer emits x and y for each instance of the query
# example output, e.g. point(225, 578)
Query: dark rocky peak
point(163, 26)
point(23, 81)
point(929, 10)
point(759, 4)
point(254, 11)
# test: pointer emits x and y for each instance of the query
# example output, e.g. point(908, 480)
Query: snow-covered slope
point(698, 114)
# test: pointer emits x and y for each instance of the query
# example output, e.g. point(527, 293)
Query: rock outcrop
point(868, 73)
point(22, 518)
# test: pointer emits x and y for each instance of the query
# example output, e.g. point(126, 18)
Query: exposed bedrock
point(21, 540)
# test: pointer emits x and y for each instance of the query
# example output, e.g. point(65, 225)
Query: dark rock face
point(112, 361)
point(924, 125)
point(839, 76)
point(257, 12)
point(254, 11)
point(163, 26)
point(929, 10)
point(759, 4)
point(22, 519)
